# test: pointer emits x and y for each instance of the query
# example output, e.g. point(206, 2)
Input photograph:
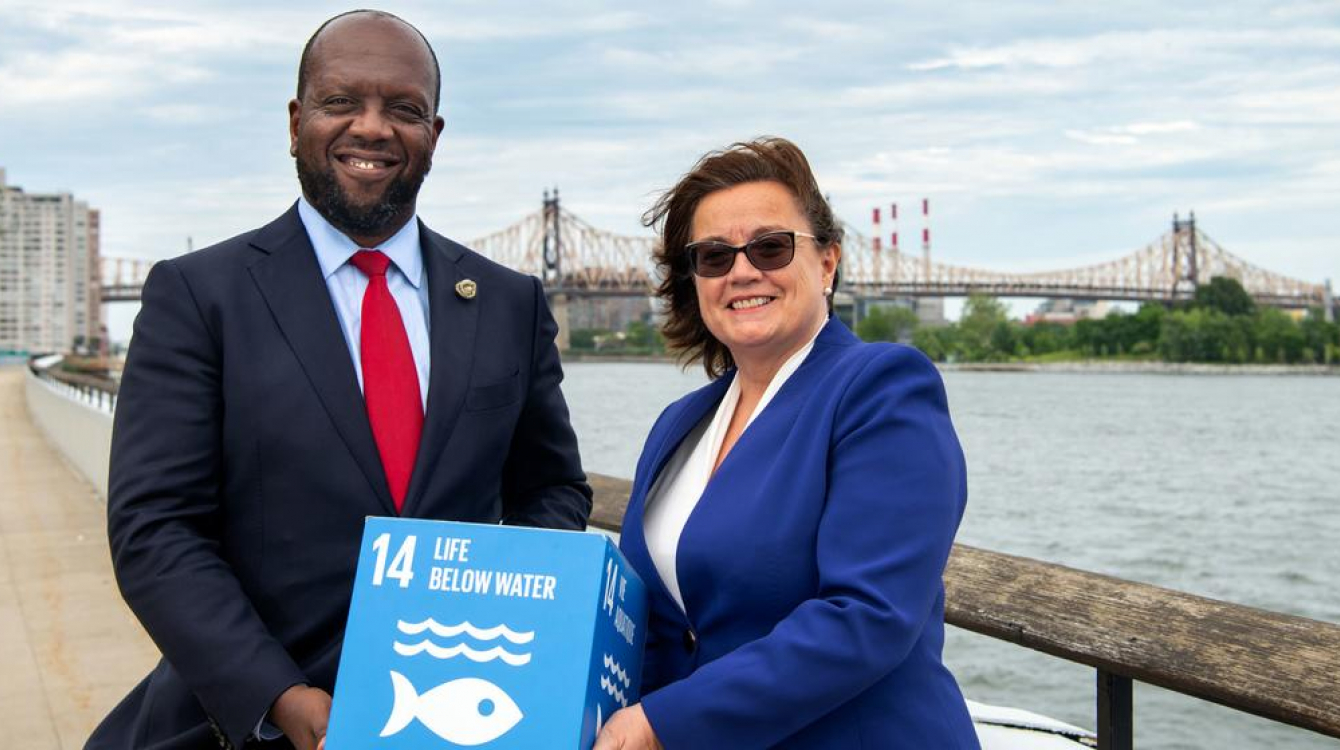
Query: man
point(285, 384)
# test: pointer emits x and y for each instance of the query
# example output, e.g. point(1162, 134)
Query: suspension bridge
point(575, 259)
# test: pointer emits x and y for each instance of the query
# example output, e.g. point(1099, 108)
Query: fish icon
point(468, 711)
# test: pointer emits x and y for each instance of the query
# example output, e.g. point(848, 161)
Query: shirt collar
point(333, 248)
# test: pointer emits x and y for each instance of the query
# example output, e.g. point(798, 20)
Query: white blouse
point(681, 483)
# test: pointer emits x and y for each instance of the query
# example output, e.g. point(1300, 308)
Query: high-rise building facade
point(48, 272)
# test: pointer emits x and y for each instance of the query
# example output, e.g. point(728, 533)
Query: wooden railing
point(1278, 666)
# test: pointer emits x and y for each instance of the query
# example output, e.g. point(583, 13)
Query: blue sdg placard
point(470, 635)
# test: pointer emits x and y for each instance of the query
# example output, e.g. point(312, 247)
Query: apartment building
point(48, 272)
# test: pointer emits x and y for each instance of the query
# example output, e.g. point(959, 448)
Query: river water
point(1219, 485)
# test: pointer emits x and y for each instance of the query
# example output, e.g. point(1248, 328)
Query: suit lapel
point(696, 406)
point(694, 409)
point(662, 445)
point(290, 280)
point(453, 321)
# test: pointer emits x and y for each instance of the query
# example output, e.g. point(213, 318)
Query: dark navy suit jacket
point(811, 567)
point(243, 466)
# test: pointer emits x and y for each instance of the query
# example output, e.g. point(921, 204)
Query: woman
point(793, 517)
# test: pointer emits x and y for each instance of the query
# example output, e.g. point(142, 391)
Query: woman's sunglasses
point(768, 252)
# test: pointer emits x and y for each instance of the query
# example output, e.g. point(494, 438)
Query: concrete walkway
point(69, 647)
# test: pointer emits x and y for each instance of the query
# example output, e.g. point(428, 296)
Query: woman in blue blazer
point(793, 517)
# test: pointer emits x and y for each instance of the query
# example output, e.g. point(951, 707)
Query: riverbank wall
point(1145, 368)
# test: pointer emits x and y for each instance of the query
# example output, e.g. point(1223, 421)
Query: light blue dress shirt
point(405, 278)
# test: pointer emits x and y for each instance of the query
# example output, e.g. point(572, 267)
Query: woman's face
point(762, 316)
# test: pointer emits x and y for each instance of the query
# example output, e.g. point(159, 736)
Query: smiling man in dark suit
point(340, 362)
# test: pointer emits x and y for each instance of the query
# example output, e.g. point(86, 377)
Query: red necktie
point(390, 379)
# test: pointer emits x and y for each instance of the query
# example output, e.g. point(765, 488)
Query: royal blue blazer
point(811, 567)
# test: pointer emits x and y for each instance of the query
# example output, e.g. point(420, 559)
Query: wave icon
point(480, 656)
point(617, 671)
point(460, 649)
point(477, 633)
point(609, 686)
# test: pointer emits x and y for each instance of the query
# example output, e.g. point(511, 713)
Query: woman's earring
point(828, 291)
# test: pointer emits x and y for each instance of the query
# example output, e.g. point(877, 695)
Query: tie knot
point(371, 262)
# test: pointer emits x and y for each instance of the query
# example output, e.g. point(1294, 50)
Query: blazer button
point(690, 640)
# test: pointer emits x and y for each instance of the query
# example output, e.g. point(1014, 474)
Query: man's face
point(364, 131)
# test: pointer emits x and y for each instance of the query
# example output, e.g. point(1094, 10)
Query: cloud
point(1143, 48)
point(32, 80)
point(711, 61)
point(1130, 135)
point(184, 113)
point(537, 24)
point(112, 52)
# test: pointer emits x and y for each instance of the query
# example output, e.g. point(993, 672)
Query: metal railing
point(98, 393)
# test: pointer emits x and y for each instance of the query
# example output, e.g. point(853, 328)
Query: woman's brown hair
point(767, 159)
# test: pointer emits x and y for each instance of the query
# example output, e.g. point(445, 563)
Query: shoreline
point(1077, 366)
point(1144, 368)
point(570, 356)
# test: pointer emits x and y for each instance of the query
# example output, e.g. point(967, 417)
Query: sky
point(1046, 134)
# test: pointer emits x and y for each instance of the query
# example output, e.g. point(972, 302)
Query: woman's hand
point(627, 729)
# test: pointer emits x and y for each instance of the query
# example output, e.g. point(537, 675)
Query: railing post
point(1116, 709)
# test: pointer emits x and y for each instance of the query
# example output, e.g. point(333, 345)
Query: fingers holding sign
point(628, 729)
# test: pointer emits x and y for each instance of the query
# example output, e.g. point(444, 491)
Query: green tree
point(1278, 337)
point(935, 343)
point(1225, 295)
point(1148, 323)
point(1320, 336)
point(1004, 340)
point(887, 324)
point(642, 336)
point(1045, 338)
point(1090, 338)
point(1205, 335)
point(977, 327)
point(584, 338)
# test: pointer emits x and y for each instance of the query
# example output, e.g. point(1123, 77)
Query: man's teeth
point(363, 164)
point(745, 304)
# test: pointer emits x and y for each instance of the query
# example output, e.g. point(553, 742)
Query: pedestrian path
point(69, 647)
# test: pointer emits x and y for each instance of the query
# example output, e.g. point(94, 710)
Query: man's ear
point(438, 124)
point(294, 120)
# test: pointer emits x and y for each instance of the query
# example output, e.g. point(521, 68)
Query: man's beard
point(326, 195)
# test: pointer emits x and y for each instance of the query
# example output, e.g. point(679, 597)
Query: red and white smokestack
point(893, 219)
point(926, 228)
point(874, 217)
point(926, 237)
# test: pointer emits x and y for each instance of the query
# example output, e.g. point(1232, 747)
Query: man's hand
point(302, 713)
point(628, 729)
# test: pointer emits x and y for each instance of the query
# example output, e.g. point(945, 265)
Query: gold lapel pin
point(466, 288)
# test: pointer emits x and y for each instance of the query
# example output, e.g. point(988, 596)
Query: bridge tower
point(552, 269)
point(553, 240)
point(1186, 275)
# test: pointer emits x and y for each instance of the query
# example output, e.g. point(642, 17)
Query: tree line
point(1222, 324)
